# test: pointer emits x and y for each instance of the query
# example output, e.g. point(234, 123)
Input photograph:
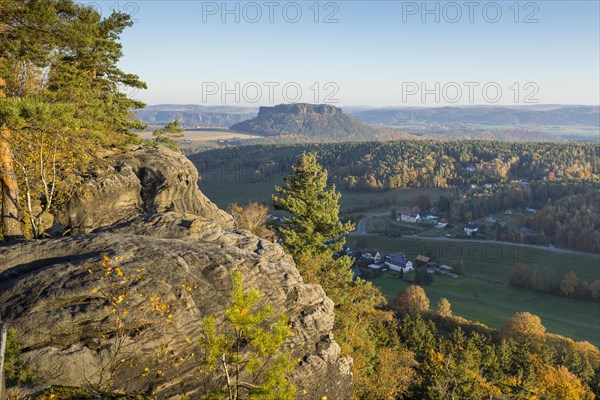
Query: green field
point(486, 264)
point(226, 187)
point(576, 319)
point(382, 223)
point(486, 267)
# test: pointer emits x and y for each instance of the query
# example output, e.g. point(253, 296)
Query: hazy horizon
point(542, 105)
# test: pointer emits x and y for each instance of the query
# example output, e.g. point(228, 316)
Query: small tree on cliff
point(168, 134)
point(314, 225)
point(245, 358)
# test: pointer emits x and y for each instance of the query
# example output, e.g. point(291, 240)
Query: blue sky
point(374, 53)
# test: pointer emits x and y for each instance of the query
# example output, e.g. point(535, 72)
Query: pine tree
point(245, 359)
point(314, 225)
point(60, 91)
point(166, 135)
point(311, 234)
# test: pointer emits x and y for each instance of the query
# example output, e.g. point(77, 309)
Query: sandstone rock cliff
point(147, 180)
point(176, 249)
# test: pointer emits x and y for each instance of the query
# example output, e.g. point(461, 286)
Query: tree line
point(420, 163)
point(544, 280)
point(457, 358)
point(567, 215)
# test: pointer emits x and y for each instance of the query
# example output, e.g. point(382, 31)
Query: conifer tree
point(311, 234)
point(61, 97)
point(167, 134)
point(314, 225)
point(244, 356)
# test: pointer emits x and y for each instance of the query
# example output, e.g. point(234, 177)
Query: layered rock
point(146, 180)
point(172, 265)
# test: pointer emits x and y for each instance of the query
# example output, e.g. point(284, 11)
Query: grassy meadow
point(486, 267)
point(573, 318)
point(226, 187)
point(486, 264)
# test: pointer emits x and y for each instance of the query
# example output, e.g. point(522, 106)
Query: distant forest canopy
point(419, 163)
point(568, 214)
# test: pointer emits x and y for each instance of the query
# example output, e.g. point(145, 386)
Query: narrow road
point(532, 246)
point(361, 230)
point(361, 227)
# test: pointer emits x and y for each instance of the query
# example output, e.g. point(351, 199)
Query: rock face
point(147, 180)
point(122, 307)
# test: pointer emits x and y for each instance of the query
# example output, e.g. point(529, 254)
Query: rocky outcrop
point(122, 307)
point(320, 122)
point(146, 180)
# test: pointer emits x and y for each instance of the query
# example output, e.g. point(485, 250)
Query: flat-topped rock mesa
point(321, 122)
point(175, 248)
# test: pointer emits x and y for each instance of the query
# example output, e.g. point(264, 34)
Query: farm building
point(432, 219)
point(442, 224)
point(412, 215)
point(471, 229)
point(398, 261)
point(370, 254)
point(422, 260)
point(447, 270)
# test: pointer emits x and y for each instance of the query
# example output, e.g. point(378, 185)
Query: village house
point(399, 262)
point(432, 219)
point(442, 224)
point(422, 260)
point(370, 254)
point(471, 229)
point(411, 215)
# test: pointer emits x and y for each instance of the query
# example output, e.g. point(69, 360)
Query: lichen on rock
point(148, 217)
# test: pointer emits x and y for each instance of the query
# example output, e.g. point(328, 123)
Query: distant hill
point(526, 115)
point(195, 116)
point(308, 122)
point(314, 122)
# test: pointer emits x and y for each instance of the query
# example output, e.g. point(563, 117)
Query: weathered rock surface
point(58, 296)
point(147, 180)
